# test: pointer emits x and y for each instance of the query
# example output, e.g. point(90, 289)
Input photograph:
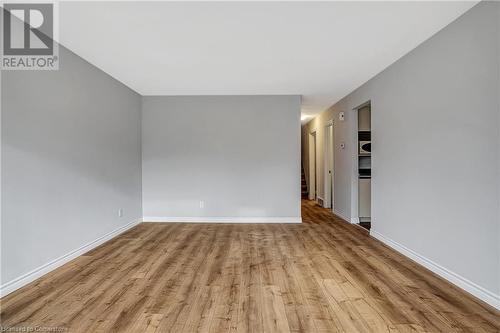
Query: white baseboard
point(223, 219)
point(342, 216)
point(355, 220)
point(461, 282)
point(31, 276)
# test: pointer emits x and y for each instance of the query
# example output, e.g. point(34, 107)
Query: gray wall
point(239, 154)
point(498, 139)
point(435, 160)
point(70, 159)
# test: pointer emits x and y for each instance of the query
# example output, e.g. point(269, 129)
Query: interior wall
point(71, 158)
point(238, 154)
point(435, 157)
point(498, 139)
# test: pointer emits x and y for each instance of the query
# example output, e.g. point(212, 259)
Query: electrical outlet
point(120, 212)
point(202, 204)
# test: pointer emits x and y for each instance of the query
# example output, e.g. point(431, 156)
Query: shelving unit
point(364, 167)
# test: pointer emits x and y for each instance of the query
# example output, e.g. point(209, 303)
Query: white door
point(312, 166)
point(329, 171)
point(365, 198)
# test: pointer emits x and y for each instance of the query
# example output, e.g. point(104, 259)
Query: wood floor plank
point(226, 308)
point(273, 310)
point(324, 275)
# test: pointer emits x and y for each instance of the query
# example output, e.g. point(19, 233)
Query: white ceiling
point(320, 50)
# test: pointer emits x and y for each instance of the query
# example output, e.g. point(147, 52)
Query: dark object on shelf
point(365, 147)
point(364, 136)
point(365, 173)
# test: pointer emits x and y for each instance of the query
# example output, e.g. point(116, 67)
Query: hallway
point(323, 275)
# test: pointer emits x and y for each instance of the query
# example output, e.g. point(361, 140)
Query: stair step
point(303, 185)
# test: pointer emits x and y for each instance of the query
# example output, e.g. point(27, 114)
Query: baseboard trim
point(342, 216)
point(223, 219)
point(31, 276)
point(458, 280)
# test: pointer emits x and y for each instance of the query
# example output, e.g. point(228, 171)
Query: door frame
point(313, 165)
point(355, 171)
point(329, 178)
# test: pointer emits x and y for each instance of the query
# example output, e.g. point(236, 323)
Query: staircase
point(305, 192)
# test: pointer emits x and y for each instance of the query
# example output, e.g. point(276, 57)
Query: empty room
point(249, 166)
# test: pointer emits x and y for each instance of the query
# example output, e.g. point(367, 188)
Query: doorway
point(312, 166)
point(364, 165)
point(329, 166)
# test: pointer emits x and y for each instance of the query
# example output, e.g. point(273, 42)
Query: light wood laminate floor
point(323, 275)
